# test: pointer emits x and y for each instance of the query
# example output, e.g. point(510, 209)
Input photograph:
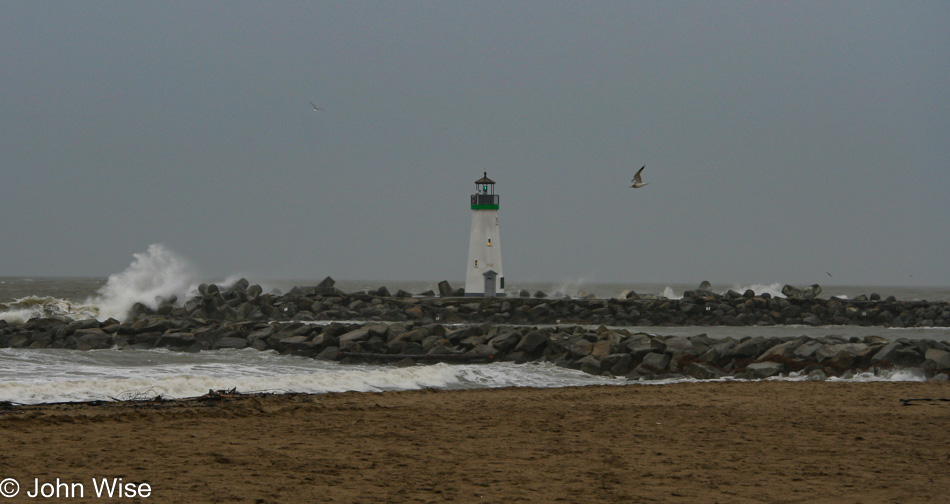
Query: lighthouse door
point(490, 283)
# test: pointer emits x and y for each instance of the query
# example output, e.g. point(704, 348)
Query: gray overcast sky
point(782, 139)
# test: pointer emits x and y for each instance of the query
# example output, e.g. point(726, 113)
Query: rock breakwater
point(243, 302)
point(598, 336)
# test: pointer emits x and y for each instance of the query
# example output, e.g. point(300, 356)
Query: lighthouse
point(484, 276)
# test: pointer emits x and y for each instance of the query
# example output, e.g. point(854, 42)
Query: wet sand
point(768, 442)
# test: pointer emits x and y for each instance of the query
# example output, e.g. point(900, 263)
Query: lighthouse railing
point(485, 199)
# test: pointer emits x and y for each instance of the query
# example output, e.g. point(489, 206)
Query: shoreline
point(739, 442)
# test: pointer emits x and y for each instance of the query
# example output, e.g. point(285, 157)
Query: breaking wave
point(153, 276)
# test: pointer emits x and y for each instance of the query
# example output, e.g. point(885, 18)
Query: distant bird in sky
point(637, 181)
point(315, 108)
point(829, 274)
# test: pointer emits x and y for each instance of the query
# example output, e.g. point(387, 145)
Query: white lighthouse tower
point(484, 276)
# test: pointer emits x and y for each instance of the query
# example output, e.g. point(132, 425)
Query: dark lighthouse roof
point(485, 179)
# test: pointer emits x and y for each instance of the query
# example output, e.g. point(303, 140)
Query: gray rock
point(589, 365)
point(41, 339)
point(355, 336)
point(678, 344)
point(20, 340)
point(581, 348)
point(292, 342)
point(939, 358)
point(81, 324)
point(619, 364)
point(828, 351)
point(600, 349)
point(326, 285)
point(810, 292)
point(656, 361)
point(807, 350)
point(402, 363)
point(175, 340)
point(761, 370)
point(445, 290)
point(505, 341)
point(817, 374)
point(888, 353)
point(752, 347)
point(785, 349)
point(531, 342)
point(230, 342)
point(91, 339)
point(702, 371)
point(329, 353)
point(640, 345)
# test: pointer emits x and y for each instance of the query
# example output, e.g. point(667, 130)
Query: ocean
point(30, 376)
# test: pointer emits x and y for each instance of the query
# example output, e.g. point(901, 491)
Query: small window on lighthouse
point(489, 242)
point(476, 263)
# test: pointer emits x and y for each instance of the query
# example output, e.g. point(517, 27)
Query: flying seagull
point(315, 108)
point(637, 181)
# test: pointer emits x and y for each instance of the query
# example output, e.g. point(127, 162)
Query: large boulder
point(810, 292)
point(531, 342)
point(702, 371)
point(355, 336)
point(177, 339)
point(326, 286)
point(618, 364)
point(656, 361)
point(940, 359)
point(589, 365)
point(751, 347)
point(230, 342)
point(760, 370)
point(91, 339)
point(445, 290)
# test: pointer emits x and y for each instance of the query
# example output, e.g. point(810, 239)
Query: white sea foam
point(157, 274)
point(34, 376)
point(31, 376)
point(24, 309)
point(669, 293)
point(152, 276)
point(885, 375)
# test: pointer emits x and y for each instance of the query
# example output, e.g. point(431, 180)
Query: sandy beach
point(761, 442)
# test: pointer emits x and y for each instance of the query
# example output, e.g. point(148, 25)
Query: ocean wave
point(38, 376)
point(153, 277)
point(156, 275)
point(24, 309)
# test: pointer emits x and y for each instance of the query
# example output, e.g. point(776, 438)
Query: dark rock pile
point(379, 326)
point(242, 302)
point(602, 351)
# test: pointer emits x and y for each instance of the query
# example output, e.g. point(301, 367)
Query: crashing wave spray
point(155, 275)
